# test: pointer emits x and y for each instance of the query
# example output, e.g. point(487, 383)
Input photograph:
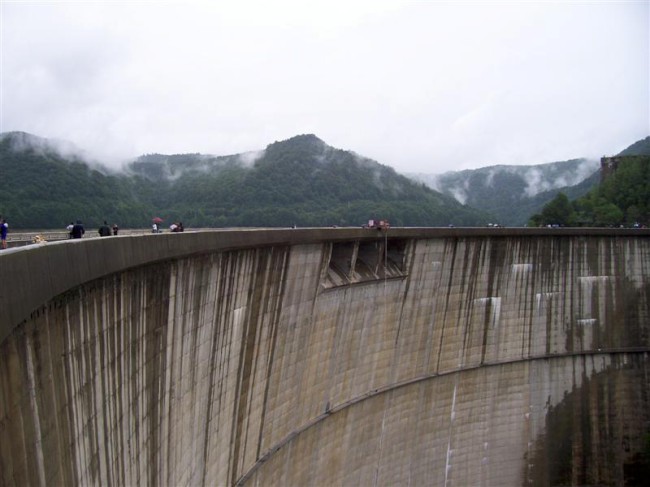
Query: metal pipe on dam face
point(448, 357)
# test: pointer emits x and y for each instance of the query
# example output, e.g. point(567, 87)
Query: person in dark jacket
point(104, 230)
point(4, 227)
point(78, 230)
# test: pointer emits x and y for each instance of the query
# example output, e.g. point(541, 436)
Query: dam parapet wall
point(332, 356)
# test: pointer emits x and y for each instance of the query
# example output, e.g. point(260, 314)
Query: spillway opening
point(368, 260)
point(396, 255)
point(340, 264)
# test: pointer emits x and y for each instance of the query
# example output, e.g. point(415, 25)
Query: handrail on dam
point(34, 274)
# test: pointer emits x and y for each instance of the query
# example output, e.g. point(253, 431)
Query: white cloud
point(420, 86)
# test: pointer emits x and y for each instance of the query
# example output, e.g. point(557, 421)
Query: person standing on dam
point(4, 228)
point(104, 230)
point(78, 230)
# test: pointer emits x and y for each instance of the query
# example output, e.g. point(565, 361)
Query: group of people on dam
point(77, 230)
point(174, 227)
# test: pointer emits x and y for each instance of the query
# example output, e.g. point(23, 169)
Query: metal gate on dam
point(333, 356)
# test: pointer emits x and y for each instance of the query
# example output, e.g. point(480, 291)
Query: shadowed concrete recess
point(340, 356)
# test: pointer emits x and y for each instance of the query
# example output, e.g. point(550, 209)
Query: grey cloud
point(451, 87)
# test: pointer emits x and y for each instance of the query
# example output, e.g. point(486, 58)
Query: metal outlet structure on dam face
point(328, 357)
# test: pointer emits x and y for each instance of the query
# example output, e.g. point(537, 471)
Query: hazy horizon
point(423, 87)
point(67, 149)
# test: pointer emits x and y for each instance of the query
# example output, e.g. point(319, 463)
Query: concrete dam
point(333, 356)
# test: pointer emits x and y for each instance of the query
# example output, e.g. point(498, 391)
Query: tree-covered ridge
point(301, 181)
point(513, 193)
point(639, 148)
point(305, 182)
point(42, 189)
point(622, 199)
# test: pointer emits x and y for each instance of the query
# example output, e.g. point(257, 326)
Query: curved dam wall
point(328, 357)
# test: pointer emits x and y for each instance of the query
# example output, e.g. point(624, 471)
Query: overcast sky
point(420, 86)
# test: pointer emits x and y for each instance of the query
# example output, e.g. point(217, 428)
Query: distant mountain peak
point(303, 141)
point(22, 141)
point(306, 138)
point(639, 148)
point(299, 181)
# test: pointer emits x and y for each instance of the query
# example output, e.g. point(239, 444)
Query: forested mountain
point(622, 199)
point(45, 188)
point(639, 148)
point(513, 193)
point(300, 181)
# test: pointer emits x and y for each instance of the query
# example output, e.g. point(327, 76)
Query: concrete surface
point(327, 357)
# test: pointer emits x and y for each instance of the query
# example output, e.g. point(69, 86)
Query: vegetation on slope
point(303, 181)
point(639, 148)
point(622, 199)
point(513, 193)
point(42, 189)
point(300, 181)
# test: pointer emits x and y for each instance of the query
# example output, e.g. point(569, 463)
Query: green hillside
point(513, 193)
point(623, 199)
point(639, 148)
point(301, 181)
point(43, 189)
